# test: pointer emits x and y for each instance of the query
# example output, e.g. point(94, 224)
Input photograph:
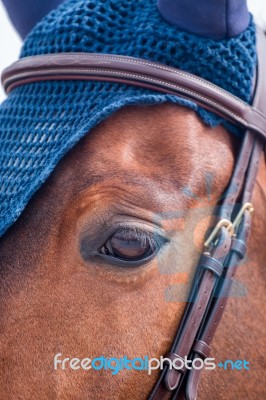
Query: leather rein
point(226, 246)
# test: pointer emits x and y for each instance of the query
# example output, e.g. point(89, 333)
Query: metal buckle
point(246, 207)
point(223, 223)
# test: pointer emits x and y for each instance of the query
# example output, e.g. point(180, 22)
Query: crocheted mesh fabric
point(41, 122)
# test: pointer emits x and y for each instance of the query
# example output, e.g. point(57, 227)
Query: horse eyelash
point(142, 235)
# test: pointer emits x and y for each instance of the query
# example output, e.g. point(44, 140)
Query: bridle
point(226, 246)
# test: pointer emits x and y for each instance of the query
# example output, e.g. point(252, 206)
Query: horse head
point(101, 260)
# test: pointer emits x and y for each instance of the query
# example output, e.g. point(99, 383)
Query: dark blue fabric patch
point(214, 19)
point(25, 14)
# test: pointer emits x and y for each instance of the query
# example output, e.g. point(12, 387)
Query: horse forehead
point(163, 141)
point(142, 139)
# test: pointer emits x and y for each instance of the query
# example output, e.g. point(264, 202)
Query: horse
point(58, 297)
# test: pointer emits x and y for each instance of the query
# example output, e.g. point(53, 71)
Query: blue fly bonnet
point(41, 122)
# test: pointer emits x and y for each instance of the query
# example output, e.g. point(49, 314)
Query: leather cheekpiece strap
point(244, 177)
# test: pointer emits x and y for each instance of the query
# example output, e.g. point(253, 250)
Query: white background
point(10, 42)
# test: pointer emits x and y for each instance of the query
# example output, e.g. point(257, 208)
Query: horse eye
point(130, 245)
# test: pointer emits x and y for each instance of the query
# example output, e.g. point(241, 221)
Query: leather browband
point(138, 72)
point(217, 266)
